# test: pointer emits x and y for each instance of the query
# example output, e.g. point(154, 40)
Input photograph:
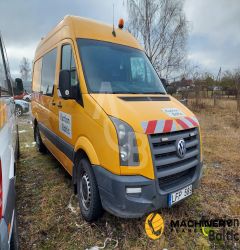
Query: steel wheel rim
point(18, 111)
point(85, 191)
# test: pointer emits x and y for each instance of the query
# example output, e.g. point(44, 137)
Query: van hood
point(147, 113)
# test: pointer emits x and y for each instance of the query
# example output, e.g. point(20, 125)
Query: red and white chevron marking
point(165, 126)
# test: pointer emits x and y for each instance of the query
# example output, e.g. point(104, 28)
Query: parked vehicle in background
point(27, 98)
point(100, 108)
point(19, 94)
point(22, 107)
point(9, 152)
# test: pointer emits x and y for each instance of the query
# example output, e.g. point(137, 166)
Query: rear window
point(37, 76)
point(48, 72)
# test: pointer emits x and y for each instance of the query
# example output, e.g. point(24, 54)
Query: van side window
point(37, 76)
point(48, 72)
point(68, 63)
point(3, 79)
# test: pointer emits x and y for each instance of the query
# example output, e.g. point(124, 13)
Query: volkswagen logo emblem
point(181, 148)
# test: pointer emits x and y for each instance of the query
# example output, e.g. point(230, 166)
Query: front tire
point(40, 146)
point(88, 194)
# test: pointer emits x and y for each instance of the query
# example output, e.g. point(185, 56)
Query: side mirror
point(19, 85)
point(65, 87)
point(65, 84)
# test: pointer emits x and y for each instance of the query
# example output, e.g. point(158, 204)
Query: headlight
point(128, 151)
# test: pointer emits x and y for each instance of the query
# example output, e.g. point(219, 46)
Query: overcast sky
point(214, 39)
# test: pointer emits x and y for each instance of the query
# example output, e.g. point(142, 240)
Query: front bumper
point(112, 189)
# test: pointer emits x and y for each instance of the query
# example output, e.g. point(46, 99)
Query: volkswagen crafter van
point(100, 108)
point(9, 152)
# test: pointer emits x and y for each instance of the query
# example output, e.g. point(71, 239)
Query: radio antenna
point(113, 32)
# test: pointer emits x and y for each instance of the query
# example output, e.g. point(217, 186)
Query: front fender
point(84, 144)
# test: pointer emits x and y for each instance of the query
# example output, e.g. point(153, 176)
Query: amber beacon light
point(121, 23)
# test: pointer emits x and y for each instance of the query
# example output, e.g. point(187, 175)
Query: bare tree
point(161, 27)
point(193, 72)
point(25, 69)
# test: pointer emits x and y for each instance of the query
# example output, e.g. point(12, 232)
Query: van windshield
point(117, 69)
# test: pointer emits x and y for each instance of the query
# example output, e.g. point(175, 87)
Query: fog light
point(133, 190)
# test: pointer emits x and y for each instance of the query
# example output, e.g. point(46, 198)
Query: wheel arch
point(83, 149)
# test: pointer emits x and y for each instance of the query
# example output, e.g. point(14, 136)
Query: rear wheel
point(88, 194)
point(18, 110)
point(14, 244)
point(40, 146)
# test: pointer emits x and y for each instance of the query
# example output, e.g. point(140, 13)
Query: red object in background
point(20, 96)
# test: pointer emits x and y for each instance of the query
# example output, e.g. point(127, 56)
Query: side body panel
point(8, 138)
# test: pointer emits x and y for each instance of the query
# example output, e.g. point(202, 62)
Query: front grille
point(171, 170)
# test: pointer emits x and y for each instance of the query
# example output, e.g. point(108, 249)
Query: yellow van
point(100, 108)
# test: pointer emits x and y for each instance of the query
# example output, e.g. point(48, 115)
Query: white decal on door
point(65, 124)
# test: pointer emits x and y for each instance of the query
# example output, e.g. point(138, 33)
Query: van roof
point(79, 27)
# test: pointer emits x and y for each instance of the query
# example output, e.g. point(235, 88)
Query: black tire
point(87, 190)
point(14, 243)
point(18, 110)
point(40, 146)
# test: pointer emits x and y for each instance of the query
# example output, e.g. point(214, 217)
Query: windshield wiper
point(160, 93)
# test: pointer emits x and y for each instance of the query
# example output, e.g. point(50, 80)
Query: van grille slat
point(168, 159)
point(170, 168)
point(177, 168)
point(173, 136)
point(179, 178)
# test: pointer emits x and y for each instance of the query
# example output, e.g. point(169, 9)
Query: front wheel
point(18, 110)
point(40, 146)
point(88, 194)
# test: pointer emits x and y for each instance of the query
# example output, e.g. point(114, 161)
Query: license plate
point(179, 195)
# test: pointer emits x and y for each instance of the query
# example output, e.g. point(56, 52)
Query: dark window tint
point(48, 72)
point(3, 79)
point(68, 63)
point(113, 68)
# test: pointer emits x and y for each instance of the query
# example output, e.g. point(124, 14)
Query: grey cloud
point(24, 22)
point(216, 23)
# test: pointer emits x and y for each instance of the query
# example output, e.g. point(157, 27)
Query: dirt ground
point(49, 217)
